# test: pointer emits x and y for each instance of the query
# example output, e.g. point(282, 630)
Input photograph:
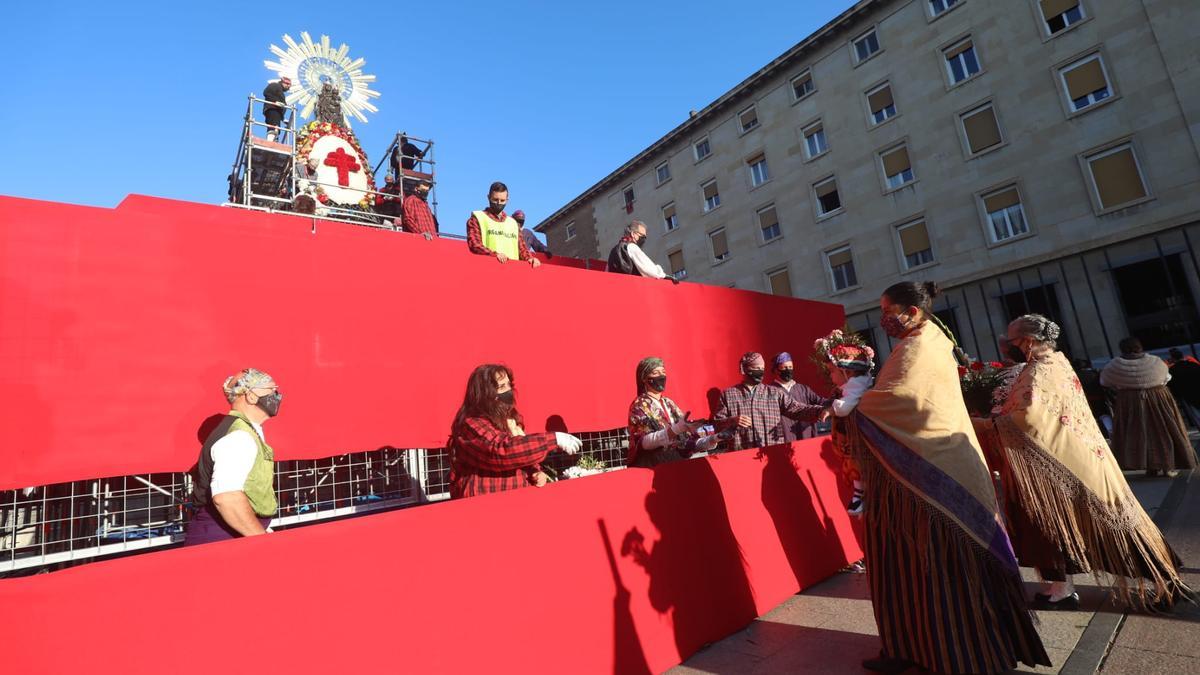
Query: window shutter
point(813, 130)
point(958, 49)
point(781, 283)
point(839, 258)
point(982, 130)
point(914, 239)
point(1085, 79)
point(896, 161)
point(767, 218)
point(1052, 8)
point(710, 190)
point(1001, 200)
point(1117, 179)
point(719, 245)
point(827, 188)
point(880, 99)
point(676, 260)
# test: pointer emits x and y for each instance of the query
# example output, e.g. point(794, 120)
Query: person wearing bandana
point(233, 482)
point(659, 432)
point(794, 430)
point(759, 408)
point(627, 257)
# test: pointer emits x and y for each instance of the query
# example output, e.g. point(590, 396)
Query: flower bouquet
point(979, 381)
point(841, 349)
point(587, 465)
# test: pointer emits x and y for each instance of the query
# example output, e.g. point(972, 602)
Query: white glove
point(707, 443)
point(569, 444)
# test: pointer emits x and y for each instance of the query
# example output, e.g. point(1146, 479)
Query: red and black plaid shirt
point(418, 218)
point(475, 238)
point(766, 406)
point(484, 459)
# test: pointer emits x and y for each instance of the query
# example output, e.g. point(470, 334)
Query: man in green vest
point(233, 482)
point(492, 232)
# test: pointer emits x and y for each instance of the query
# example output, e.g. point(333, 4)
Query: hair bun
point(1051, 330)
point(931, 288)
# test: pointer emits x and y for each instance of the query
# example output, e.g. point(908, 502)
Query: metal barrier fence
point(51, 526)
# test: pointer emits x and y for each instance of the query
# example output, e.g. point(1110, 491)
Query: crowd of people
point(943, 540)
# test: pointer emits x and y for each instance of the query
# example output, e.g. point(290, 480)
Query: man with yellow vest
point(492, 232)
point(233, 482)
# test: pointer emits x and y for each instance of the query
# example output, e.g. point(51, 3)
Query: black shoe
point(1069, 603)
point(887, 664)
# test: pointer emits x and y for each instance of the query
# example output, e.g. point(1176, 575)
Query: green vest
point(260, 484)
point(501, 237)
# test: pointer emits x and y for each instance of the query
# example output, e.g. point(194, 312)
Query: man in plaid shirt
point(489, 449)
point(416, 216)
point(760, 408)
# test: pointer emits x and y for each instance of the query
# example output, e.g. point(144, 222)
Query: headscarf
point(245, 380)
point(782, 358)
point(748, 358)
point(644, 368)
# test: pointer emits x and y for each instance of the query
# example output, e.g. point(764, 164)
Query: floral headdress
point(845, 349)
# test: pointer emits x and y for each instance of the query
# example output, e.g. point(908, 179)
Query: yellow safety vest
point(501, 237)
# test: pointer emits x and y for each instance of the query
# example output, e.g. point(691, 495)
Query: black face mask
point(1015, 354)
point(892, 325)
point(658, 384)
point(786, 375)
point(756, 376)
point(639, 239)
point(270, 404)
point(506, 398)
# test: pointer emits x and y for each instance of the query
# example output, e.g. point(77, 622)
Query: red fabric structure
point(629, 572)
point(117, 327)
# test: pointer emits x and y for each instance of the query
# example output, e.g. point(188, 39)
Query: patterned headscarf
point(245, 380)
point(782, 358)
point(749, 358)
point(644, 368)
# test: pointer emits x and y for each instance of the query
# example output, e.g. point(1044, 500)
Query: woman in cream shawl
point(945, 584)
point(1070, 509)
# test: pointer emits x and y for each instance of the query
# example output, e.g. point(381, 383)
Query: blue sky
point(108, 99)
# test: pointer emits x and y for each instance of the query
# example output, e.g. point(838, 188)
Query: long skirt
point(1148, 431)
point(940, 600)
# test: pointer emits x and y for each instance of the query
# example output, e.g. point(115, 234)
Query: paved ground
point(830, 628)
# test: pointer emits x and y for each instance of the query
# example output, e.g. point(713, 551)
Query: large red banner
point(117, 327)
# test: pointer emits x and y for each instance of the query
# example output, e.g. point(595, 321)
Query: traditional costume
point(945, 584)
point(1148, 432)
point(1069, 507)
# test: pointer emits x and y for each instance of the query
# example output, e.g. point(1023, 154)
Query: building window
point(1086, 82)
point(828, 199)
point(961, 61)
point(939, 7)
point(881, 103)
point(1165, 317)
point(1117, 177)
point(748, 119)
point(897, 168)
point(670, 220)
point(720, 247)
point(814, 140)
point(627, 195)
point(712, 198)
point(981, 128)
point(780, 282)
point(702, 149)
point(662, 173)
point(1060, 14)
point(841, 268)
point(570, 229)
point(675, 260)
point(914, 244)
point(768, 222)
point(866, 46)
point(802, 85)
point(758, 170)
point(1005, 215)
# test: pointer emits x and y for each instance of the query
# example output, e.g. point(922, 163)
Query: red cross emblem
point(345, 165)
